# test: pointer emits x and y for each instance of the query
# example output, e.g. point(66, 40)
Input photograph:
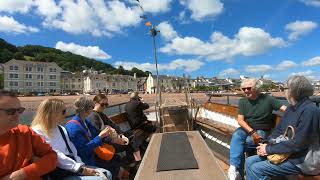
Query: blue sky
point(269, 38)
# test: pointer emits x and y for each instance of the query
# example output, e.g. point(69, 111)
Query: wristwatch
point(81, 170)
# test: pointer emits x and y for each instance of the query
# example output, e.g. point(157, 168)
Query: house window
point(53, 77)
point(52, 84)
point(40, 69)
point(15, 76)
point(14, 83)
point(73, 86)
point(67, 86)
point(28, 76)
point(14, 68)
point(28, 83)
point(113, 84)
point(40, 84)
point(39, 76)
point(29, 68)
point(79, 80)
point(73, 80)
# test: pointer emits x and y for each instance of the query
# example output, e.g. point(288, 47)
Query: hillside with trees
point(66, 60)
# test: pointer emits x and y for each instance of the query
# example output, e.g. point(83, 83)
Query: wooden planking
point(222, 108)
point(209, 167)
point(230, 110)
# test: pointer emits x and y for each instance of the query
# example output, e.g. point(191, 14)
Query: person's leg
point(249, 162)
point(237, 149)
point(261, 169)
point(113, 165)
point(250, 146)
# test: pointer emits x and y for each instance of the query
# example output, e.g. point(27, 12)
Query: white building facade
point(96, 82)
point(29, 76)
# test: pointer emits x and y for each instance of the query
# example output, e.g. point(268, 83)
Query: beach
point(31, 103)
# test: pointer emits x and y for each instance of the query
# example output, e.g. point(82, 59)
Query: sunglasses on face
point(12, 111)
point(246, 88)
point(104, 104)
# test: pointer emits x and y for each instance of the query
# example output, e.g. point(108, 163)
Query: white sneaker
point(233, 174)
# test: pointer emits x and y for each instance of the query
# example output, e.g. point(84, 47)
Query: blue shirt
point(85, 139)
point(304, 117)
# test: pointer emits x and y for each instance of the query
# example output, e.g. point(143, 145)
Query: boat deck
point(209, 166)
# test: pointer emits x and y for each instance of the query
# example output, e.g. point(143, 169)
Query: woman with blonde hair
point(51, 113)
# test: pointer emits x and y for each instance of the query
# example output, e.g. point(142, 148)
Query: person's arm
point(307, 123)
point(84, 146)
point(143, 105)
point(283, 108)
point(64, 162)
point(47, 157)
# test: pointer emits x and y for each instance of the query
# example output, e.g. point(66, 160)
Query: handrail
point(111, 106)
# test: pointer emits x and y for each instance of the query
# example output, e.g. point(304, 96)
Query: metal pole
point(154, 32)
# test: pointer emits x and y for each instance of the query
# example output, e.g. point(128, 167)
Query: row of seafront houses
point(47, 77)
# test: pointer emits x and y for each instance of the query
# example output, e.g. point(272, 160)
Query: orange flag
point(148, 23)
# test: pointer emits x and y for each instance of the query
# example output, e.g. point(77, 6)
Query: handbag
point(279, 158)
point(105, 152)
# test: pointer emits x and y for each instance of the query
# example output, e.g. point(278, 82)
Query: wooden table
point(209, 167)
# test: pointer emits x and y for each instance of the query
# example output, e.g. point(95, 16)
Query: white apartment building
point(168, 83)
point(28, 76)
point(96, 82)
point(72, 82)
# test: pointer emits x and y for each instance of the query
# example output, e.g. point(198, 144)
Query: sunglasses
point(64, 112)
point(12, 111)
point(104, 104)
point(246, 88)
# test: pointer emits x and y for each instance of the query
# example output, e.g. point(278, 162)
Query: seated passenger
point(304, 116)
point(50, 114)
point(255, 120)
point(100, 120)
point(136, 117)
point(19, 145)
point(86, 138)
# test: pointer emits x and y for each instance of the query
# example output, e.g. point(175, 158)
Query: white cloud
point(303, 73)
point(11, 6)
point(167, 31)
point(186, 65)
point(284, 65)
point(299, 28)
point(248, 41)
point(258, 68)
point(228, 72)
point(312, 62)
point(315, 3)
point(89, 51)
point(155, 6)
point(48, 8)
point(10, 25)
point(203, 9)
point(97, 17)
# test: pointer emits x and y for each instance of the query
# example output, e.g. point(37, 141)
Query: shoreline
point(31, 103)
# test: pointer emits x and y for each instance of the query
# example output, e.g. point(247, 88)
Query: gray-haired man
point(255, 120)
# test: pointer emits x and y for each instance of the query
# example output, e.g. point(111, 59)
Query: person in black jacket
point(100, 120)
point(304, 117)
point(136, 117)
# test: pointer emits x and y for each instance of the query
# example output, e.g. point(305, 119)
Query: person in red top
point(23, 153)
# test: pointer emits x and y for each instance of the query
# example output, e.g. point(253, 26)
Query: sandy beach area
point(31, 103)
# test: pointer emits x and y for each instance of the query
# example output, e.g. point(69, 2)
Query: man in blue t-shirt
point(255, 120)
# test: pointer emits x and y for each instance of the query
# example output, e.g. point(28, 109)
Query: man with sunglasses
point(255, 120)
point(19, 145)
